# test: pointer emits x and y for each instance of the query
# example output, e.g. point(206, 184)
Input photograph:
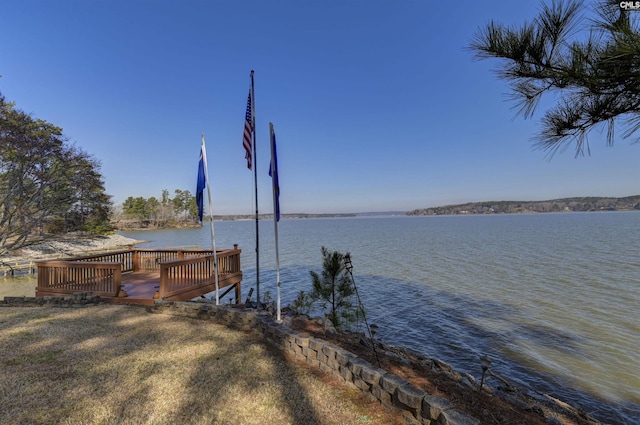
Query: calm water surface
point(553, 299)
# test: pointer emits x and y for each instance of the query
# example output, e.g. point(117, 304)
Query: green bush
point(335, 290)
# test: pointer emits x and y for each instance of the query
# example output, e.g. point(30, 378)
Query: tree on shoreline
point(154, 213)
point(46, 185)
point(597, 80)
point(335, 289)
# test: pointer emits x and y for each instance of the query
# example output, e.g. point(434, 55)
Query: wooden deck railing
point(149, 259)
point(67, 277)
point(181, 278)
point(137, 260)
point(184, 274)
point(124, 258)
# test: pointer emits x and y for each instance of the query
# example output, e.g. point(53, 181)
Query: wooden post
point(163, 282)
point(117, 282)
point(238, 293)
point(136, 261)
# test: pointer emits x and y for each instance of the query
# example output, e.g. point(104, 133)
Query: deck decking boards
point(139, 286)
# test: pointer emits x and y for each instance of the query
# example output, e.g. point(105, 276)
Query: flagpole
point(276, 210)
point(255, 184)
point(213, 234)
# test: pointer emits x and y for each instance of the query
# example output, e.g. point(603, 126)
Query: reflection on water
point(18, 286)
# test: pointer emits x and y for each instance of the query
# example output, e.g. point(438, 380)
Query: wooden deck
point(137, 276)
point(140, 288)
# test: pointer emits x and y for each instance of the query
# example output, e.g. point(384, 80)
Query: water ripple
point(551, 298)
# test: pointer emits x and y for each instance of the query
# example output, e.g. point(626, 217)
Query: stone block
point(303, 341)
point(316, 344)
point(333, 364)
point(343, 356)
point(410, 396)
point(325, 368)
point(372, 374)
point(309, 353)
point(329, 350)
point(313, 362)
point(361, 385)
point(291, 337)
point(356, 364)
point(433, 406)
point(456, 417)
point(322, 358)
point(346, 374)
point(370, 396)
point(390, 382)
point(382, 396)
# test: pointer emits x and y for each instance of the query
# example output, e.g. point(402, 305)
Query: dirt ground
point(500, 405)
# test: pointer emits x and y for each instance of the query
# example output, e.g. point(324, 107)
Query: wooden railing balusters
point(182, 272)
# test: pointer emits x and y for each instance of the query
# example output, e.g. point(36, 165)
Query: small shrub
point(335, 289)
point(302, 304)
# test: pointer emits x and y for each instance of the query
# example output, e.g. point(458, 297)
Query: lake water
point(552, 299)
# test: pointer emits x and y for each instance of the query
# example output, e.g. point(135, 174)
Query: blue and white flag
point(202, 183)
point(273, 172)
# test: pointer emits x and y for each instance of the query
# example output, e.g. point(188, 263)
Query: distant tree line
point(555, 205)
point(139, 212)
point(47, 186)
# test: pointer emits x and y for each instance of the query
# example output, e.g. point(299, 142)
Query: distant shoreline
point(575, 204)
point(584, 204)
point(459, 210)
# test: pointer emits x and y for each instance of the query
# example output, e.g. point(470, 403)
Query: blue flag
point(202, 182)
point(273, 172)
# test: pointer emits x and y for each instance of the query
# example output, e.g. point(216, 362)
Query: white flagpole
point(213, 234)
point(255, 182)
point(275, 209)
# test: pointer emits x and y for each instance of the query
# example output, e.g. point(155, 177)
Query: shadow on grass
point(264, 368)
point(108, 364)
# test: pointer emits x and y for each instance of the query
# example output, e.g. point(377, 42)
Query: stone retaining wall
point(76, 300)
point(393, 392)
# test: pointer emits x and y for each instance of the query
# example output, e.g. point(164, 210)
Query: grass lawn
point(111, 364)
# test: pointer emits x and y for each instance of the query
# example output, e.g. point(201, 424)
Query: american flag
point(248, 131)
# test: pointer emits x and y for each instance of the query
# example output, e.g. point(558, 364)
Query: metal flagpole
point(255, 177)
point(213, 234)
point(276, 209)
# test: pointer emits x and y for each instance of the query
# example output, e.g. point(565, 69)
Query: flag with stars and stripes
point(248, 131)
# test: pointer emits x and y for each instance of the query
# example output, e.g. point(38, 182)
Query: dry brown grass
point(121, 365)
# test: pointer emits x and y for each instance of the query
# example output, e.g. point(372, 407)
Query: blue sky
point(377, 105)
